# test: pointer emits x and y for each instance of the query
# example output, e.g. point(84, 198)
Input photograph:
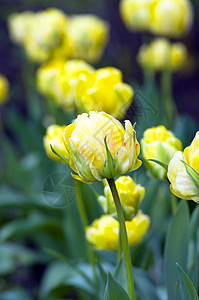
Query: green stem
point(123, 231)
point(169, 106)
point(120, 247)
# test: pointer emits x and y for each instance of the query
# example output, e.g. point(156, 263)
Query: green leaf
point(59, 155)
point(176, 247)
point(165, 166)
point(193, 255)
point(15, 293)
point(62, 275)
point(120, 274)
point(187, 289)
point(14, 256)
point(109, 165)
point(192, 173)
point(145, 288)
point(114, 290)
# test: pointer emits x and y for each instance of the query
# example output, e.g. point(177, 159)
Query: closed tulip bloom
point(54, 137)
point(58, 79)
point(88, 36)
point(99, 147)
point(104, 232)
point(161, 55)
point(136, 14)
point(185, 179)
point(46, 74)
point(103, 90)
point(48, 31)
point(160, 144)
point(19, 25)
point(4, 89)
point(130, 195)
point(172, 18)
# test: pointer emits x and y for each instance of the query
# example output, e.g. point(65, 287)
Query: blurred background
point(36, 236)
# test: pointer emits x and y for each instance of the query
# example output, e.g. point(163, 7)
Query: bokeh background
point(35, 237)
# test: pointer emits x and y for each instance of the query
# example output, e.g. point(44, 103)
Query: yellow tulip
point(99, 147)
point(130, 195)
point(103, 90)
point(160, 144)
point(58, 79)
point(104, 232)
point(172, 18)
point(88, 36)
point(185, 178)
point(4, 89)
point(54, 137)
point(136, 13)
point(160, 54)
point(19, 25)
point(47, 34)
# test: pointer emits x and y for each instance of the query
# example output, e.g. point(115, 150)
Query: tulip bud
point(183, 172)
point(136, 14)
point(104, 232)
point(160, 144)
point(88, 36)
point(130, 195)
point(47, 32)
point(19, 25)
point(54, 137)
point(161, 55)
point(172, 18)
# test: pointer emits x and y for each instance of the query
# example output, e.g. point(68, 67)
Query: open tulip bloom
point(98, 147)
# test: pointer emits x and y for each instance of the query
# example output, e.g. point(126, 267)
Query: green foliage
point(187, 289)
point(176, 248)
point(114, 290)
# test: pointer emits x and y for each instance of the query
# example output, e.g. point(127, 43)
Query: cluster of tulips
point(52, 34)
point(95, 145)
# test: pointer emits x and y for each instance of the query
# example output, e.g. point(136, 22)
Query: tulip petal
point(82, 156)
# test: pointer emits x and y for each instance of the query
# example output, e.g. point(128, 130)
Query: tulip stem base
point(124, 238)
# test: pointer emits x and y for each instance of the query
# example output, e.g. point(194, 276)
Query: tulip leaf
point(188, 291)
point(114, 290)
point(59, 155)
point(165, 166)
point(176, 248)
point(110, 164)
point(192, 173)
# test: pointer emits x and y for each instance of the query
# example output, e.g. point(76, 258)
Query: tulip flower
point(99, 147)
point(183, 172)
point(104, 232)
point(159, 144)
point(136, 14)
point(54, 137)
point(58, 79)
point(172, 18)
point(130, 194)
point(103, 90)
point(161, 55)
point(88, 36)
